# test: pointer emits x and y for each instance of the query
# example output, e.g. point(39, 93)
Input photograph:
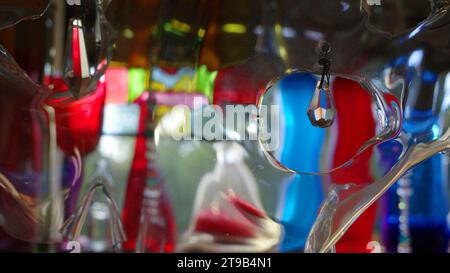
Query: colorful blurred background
point(98, 165)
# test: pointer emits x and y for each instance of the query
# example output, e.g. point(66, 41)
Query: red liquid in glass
point(356, 126)
point(221, 222)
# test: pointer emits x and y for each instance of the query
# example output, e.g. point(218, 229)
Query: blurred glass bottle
point(173, 35)
point(175, 79)
point(128, 100)
point(416, 208)
point(251, 50)
point(228, 215)
point(175, 44)
point(79, 41)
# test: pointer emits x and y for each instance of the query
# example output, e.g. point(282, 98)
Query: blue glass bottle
point(417, 205)
point(416, 209)
point(390, 222)
point(302, 197)
point(428, 203)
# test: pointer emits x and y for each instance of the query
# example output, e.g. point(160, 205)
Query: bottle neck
point(179, 34)
point(269, 32)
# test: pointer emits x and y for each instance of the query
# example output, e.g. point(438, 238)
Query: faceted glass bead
point(77, 74)
point(322, 110)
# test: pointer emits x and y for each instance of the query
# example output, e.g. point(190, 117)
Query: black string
point(325, 71)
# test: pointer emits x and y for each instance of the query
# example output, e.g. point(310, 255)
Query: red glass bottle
point(249, 51)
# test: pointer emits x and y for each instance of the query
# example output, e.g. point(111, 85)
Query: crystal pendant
point(77, 73)
point(322, 110)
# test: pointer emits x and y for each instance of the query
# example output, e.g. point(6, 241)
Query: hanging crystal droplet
point(322, 110)
point(77, 72)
